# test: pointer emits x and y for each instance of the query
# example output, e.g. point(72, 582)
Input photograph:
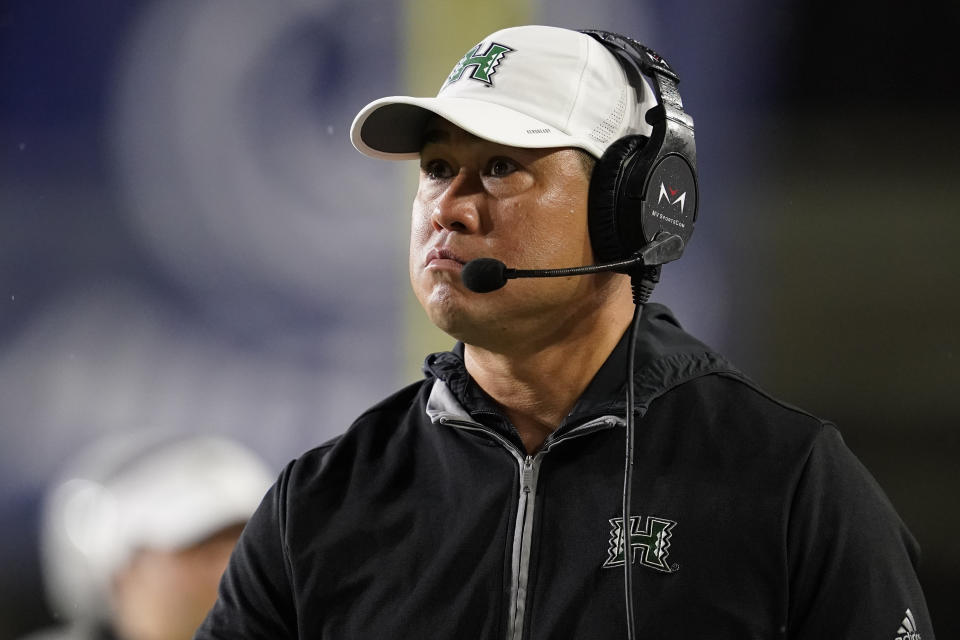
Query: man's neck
point(537, 388)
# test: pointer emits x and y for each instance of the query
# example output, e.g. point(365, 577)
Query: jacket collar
point(666, 356)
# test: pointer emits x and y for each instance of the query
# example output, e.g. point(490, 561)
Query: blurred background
point(188, 241)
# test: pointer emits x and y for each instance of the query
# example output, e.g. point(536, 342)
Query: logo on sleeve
point(908, 628)
point(485, 64)
point(649, 543)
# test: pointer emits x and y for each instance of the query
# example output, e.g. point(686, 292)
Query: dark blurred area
point(855, 234)
point(188, 241)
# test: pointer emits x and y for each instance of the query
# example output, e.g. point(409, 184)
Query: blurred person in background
point(137, 531)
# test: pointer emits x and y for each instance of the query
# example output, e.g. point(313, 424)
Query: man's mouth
point(443, 259)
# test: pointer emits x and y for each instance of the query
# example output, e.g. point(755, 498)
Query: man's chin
point(483, 320)
point(455, 322)
point(461, 319)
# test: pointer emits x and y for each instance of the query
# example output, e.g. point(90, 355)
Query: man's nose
point(459, 207)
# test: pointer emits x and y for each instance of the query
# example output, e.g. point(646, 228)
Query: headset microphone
point(484, 275)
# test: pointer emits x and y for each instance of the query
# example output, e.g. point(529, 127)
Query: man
point(485, 500)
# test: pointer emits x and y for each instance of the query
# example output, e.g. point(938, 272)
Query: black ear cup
point(643, 192)
point(670, 200)
point(615, 233)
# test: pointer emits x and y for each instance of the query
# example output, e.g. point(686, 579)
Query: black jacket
point(426, 519)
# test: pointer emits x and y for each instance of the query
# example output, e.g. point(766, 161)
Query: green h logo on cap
point(485, 63)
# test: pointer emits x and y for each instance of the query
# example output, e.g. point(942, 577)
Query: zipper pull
point(527, 473)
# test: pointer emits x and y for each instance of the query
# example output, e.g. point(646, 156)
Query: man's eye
point(500, 167)
point(436, 169)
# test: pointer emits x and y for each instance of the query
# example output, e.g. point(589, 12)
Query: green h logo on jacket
point(649, 546)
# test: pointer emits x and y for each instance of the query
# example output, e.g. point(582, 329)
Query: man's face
point(524, 207)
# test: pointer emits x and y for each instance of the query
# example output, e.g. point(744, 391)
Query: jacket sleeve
point(852, 560)
point(255, 597)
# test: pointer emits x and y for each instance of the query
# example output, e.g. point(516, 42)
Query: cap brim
point(392, 128)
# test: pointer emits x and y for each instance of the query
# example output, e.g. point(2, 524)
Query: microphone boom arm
point(574, 271)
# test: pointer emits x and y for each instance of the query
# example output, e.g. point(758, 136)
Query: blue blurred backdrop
point(189, 242)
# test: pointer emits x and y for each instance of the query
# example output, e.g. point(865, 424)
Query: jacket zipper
point(529, 473)
point(529, 467)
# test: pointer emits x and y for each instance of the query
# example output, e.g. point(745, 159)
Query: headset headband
point(645, 61)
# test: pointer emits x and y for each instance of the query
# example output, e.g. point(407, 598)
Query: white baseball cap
point(530, 87)
point(142, 489)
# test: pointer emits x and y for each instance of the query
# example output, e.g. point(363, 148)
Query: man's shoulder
point(396, 403)
point(739, 416)
point(678, 364)
point(750, 397)
point(380, 419)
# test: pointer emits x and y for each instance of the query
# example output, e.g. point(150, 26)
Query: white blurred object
point(139, 490)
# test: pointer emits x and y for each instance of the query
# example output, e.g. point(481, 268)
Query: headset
point(643, 191)
point(643, 196)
